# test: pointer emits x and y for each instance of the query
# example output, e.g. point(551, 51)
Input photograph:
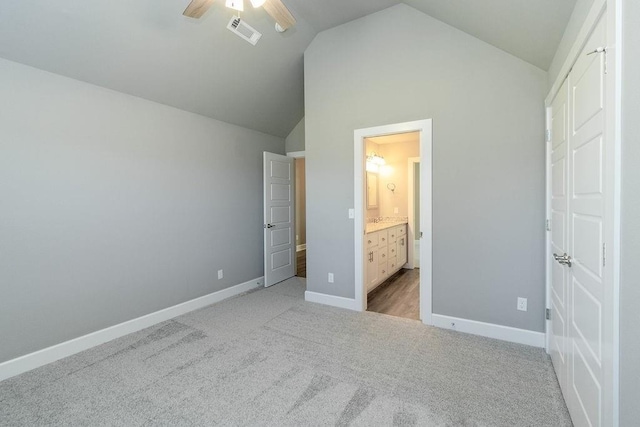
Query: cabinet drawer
point(383, 271)
point(393, 234)
point(392, 249)
point(371, 239)
point(393, 264)
point(383, 237)
point(402, 230)
point(382, 254)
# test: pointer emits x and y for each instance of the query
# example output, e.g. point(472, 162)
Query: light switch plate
point(220, 274)
point(352, 213)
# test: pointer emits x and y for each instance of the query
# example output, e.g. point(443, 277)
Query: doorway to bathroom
point(300, 212)
point(393, 219)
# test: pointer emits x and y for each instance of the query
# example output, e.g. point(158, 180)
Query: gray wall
point(580, 12)
point(630, 233)
point(488, 187)
point(113, 207)
point(295, 139)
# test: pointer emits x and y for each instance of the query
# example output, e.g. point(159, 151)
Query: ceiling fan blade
point(197, 8)
point(279, 13)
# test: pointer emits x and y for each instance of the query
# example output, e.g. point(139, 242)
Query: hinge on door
point(548, 135)
point(547, 314)
point(601, 50)
point(548, 225)
point(604, 254)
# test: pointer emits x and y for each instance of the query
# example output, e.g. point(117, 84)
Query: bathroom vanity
point(385, 251)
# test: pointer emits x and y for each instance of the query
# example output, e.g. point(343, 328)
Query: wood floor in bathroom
point(398, 296)
point(301, 263)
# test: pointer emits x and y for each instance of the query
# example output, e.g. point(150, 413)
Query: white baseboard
point(341, 302)
point(301, 247)
point(490, 330)
point(47, 355)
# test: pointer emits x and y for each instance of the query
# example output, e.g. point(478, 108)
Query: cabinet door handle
point(369, 241)
point(384, 255)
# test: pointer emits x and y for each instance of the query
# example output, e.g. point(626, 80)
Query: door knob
point(563, 259)
point(269, 225)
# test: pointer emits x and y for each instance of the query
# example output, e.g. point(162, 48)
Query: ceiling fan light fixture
point(257, 3)
point(235, 4)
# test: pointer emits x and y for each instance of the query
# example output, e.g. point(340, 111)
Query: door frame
point(412, 220)
point(613, 172)
point(425, 128)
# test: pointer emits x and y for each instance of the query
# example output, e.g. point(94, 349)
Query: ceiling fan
point(275, 8)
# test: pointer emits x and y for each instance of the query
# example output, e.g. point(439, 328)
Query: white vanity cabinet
point(402, 245)
point(372, 258)
point(385, 253)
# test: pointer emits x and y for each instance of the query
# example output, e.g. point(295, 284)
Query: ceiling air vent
point(244, 30)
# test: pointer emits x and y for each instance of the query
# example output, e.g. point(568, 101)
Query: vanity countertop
point(372, 227)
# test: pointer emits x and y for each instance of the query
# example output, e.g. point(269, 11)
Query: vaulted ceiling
point(148, 49)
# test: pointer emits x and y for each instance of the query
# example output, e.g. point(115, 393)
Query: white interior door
point(279, 218)
point(581, 342)
point(586, 233)
point(559, 131)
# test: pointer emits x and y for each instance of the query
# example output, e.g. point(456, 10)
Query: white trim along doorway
point(424, 127)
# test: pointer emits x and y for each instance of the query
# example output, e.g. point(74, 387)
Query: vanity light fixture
point(376, 159)
point(374, 162)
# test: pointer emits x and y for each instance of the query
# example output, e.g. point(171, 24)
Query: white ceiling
point(148, 49)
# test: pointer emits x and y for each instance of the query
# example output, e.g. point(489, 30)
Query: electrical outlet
point(352, 213)
point(220, 274)
point(297, 237)
point(330, 277)
point(522, 304)
point(396, 210)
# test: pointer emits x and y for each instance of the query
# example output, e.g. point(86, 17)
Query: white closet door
point(588, 323)
point(559, 275)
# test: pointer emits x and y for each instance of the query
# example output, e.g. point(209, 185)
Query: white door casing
point(559, 131)
point(279, 218)
point(424, 127)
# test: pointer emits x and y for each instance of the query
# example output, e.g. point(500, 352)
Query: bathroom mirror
point(372, 190)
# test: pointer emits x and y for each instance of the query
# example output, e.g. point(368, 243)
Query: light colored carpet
point(269, 358)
